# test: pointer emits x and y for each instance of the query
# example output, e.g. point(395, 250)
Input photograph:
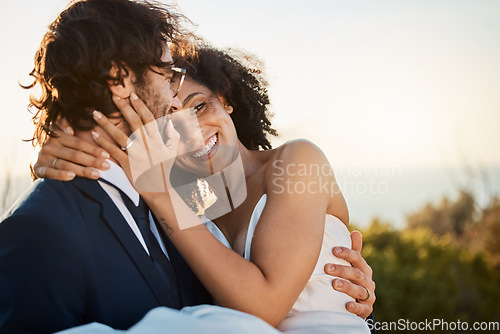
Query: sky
point(373, 83)
point(407, 83)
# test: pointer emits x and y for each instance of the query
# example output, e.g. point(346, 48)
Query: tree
point(448, 217)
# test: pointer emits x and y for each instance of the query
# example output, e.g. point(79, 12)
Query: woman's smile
point(211, 146)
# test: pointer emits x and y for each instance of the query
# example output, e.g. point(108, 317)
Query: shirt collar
point(117, 177)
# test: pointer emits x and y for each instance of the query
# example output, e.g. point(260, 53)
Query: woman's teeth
point(204, 151)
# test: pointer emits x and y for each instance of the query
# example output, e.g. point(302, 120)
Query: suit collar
point(114, 219)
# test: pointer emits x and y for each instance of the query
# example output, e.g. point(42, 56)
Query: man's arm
point(356, 281)
point(42, 286)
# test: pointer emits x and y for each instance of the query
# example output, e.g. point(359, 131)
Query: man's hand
point(355, 281)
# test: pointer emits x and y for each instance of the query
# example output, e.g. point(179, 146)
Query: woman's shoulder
point(297, 153)
point(299, 144)
point(301, 165)
point(299, 160)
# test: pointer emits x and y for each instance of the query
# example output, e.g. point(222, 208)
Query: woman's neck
point(253, 160)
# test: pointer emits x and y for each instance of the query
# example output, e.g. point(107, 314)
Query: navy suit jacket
point(68, 257)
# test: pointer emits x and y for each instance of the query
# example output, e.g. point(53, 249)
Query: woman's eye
point(199, 108)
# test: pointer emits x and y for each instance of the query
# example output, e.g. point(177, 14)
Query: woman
point(276, 215)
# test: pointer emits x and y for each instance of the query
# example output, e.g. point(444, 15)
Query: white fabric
point(319, 308)
point(215, 231)
point(206, 319)
point(117, 177)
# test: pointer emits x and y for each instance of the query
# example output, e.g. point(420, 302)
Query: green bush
point(422, 275)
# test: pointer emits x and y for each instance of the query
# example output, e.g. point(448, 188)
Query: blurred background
point(402, 96)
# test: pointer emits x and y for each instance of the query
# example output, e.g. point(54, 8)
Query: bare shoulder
point(301, 157)
point(300, 167)
point(302, 148)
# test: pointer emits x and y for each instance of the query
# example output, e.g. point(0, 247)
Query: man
point(73, 252)
point(70, 252)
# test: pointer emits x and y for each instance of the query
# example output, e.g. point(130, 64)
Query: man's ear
point(122, 88)
point(226, 105)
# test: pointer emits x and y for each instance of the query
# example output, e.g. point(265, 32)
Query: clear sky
point(407, 83)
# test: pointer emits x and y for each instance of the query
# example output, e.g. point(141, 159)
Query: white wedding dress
point(319, 308)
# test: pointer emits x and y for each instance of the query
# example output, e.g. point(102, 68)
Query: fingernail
point(350, 307)
point(134, 96)
point(116, 97)
point(105, 155)
point(41, 171)
point(106, 165)
point(337, 250)
point(70, 174)
point(331, 267)
point(338, 284)
point(95, 134)
point(95, 174)
point(69, 131)
point(97, 114)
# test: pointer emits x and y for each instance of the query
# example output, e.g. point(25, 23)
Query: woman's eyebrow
point(190, 97)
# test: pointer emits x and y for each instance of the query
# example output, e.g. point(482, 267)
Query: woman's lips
point(211, 145)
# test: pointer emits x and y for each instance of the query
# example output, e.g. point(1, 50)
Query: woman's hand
point(66, 156)
point(143, 155)
point(357, 280)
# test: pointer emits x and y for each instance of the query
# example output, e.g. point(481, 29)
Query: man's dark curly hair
point(75, 56)
point(238, 77)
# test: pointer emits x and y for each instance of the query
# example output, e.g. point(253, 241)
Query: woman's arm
point(290, 230)
point(64, 156)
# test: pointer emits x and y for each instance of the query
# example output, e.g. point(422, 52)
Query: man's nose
point(176, 104)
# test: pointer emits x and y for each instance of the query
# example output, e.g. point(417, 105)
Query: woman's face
point(208, 139)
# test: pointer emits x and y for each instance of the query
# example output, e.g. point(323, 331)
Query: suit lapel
point(114, 219)
point(175, 259)
point(191, 291)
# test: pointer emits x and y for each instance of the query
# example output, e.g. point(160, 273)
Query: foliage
point(449, 217)
point(443, 265)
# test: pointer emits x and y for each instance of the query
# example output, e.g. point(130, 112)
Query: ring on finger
point(367, 296)
point(54, 163)
point(128, 146)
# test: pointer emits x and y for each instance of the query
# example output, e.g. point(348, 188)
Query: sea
point(387, 193)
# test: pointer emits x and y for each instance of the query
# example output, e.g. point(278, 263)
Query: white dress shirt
point(117, 177)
